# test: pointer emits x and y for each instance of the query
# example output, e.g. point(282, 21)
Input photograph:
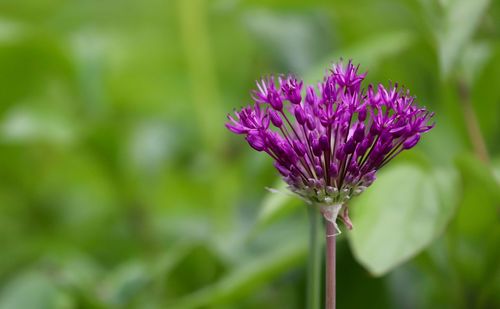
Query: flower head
point(329, 144)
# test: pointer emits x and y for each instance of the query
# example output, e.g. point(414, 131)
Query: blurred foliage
point(120, 187)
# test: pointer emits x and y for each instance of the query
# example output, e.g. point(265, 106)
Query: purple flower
point(329, 144)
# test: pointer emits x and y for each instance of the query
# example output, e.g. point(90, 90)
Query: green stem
point(471, 122)
point(315, 258)
point(330, 280)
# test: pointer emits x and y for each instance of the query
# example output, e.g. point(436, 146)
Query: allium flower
point(328, 143)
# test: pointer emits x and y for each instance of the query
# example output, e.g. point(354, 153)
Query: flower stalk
point(313, 298)
point(471, 122)
point(330, 257)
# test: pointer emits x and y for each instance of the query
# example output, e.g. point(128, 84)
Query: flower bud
point(256, 141)
point(319, 170)
point(275, 100)
point(369, 178)
point(311, 96)
point(411, 142)
point(275, 119)
point(340, 153)
point(350, 146)
point(311, 125)
point(300, 115)
point(362, 114)
point(334, 170)
point(359, 133)
point(299, 148)
point(281, 169)
point(323, 142)
point(316, 147)
point(374, 130)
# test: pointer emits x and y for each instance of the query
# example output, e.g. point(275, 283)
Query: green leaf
point(475, 170)
point(369, 52)
point(276, 205)
point(33, 290)
point(478, 212)
point(247, 277)
point(461, 19)
point(294, 40)
point(404, 210)
point(202, 265)
point(475, 230)
point(28, 124)
point(496, 169)
point(475, 57)
point(125, 283)
point(485, 96)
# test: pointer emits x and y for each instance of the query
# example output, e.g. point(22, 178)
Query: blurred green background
point(121, 188)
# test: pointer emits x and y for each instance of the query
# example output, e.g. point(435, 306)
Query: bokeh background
point(121, 188)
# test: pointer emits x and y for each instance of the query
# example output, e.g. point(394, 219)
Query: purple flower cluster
point(328, 144)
